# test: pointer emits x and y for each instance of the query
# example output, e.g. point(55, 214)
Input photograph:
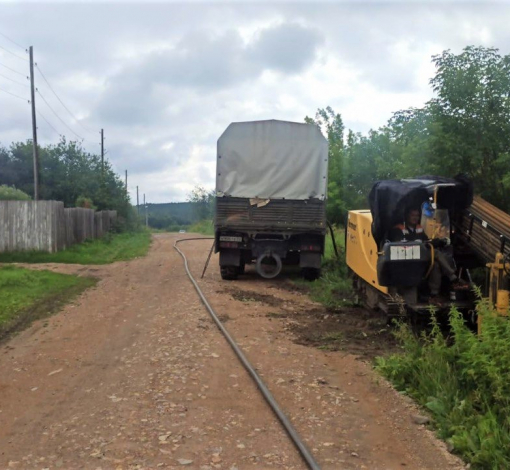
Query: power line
point(58, 98)
point(58, 117)
point(14, 54)
point(13, 41)
point(15, 71)
point(16, 96)
point(48, 122)
point(15, 81)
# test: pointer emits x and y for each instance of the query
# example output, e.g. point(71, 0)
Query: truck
point(271, 183)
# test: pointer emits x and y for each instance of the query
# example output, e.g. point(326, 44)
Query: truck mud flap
point(230, 257)
point(310, 260)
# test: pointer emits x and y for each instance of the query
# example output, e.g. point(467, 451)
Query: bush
point(8, 193)
point(462, 379)
point(205, 227)
point(85, 202)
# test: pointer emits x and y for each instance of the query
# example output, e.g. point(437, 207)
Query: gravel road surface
point(135, 375)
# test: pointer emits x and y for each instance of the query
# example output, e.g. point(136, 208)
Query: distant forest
point(170, 215)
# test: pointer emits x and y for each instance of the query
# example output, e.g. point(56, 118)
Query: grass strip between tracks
point(110, 248)
point(27, 295)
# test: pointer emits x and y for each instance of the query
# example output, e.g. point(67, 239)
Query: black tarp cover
point(389, 199)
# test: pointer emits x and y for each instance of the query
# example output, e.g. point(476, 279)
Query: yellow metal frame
point(361, 249)
point(498, 297)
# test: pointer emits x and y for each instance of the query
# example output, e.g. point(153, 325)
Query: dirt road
point(134, 375)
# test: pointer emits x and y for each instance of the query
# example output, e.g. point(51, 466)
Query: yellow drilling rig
point(394, 275)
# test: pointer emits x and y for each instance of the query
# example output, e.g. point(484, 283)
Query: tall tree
point(68, 172)
point(332, 126)
point(472, 109)
point(202, 202)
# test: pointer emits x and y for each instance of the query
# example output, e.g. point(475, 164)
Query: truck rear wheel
point(242, 267)
point(311, 274)
point(229, 273)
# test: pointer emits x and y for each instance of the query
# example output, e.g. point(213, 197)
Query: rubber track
point(289, 428)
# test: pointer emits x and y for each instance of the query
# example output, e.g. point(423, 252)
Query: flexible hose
point(289, 428)
point(432, 256)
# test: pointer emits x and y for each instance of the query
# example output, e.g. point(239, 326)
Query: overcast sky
point(165, 79)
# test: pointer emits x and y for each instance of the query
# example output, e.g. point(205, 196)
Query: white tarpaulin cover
point(272, 160)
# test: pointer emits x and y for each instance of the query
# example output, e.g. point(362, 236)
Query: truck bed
point(278, 215)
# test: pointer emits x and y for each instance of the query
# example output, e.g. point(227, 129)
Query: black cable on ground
point(333, 239)
point(289, 428)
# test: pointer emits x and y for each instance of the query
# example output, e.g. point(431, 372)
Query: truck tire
point(242, 267)
point(276, 264)
point(229, 273)
point(311, 274)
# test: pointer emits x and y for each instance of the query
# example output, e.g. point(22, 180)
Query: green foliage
point(85, 202)
point(26, 294)
point(202, 202)
point(334, 288)
point(171, 216)
point(463, 381)
point(181, 212)
point(205, 227)
point(67, 172)
point(332, 126)
point(110, 248)
point(8, 193)
point(465, 129)
point(472, 111)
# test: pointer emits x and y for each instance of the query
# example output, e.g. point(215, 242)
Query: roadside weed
point(463, 380)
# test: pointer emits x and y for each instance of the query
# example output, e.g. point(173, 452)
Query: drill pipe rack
point(486, 229)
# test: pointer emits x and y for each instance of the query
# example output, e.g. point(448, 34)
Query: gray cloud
point(288, 47)
point(203, 62)
point(165, 80)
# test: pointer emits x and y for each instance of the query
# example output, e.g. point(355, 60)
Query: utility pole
point(126, 182)
point(146, 214)
point(102, 154)
point(137, 203)
point(34, 126)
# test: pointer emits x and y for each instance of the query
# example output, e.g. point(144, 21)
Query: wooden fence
point(48, 226)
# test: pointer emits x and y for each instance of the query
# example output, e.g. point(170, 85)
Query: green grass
point(113, 247)
point(329, 253)
point(205, 227)
point(333, 289)
point(26, 295)
point(463, 381)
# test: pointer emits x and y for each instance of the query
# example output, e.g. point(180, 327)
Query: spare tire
point(269, 265)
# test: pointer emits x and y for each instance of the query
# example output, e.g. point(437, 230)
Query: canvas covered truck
point(271, 184)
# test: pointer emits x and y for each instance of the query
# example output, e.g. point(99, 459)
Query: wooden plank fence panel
point(29, 225)
point(48, 226)
point(98, 221)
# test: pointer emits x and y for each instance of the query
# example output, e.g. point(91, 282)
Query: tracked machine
point(393, 276)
